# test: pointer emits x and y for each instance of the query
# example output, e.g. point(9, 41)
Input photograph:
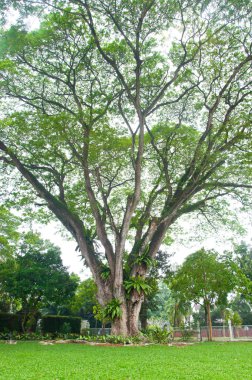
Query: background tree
point(241, 306)
point(9, 237)
point(85, 300)
point(241, 262)
point(63, 307)
point(243, 258)
point(123, 117)
point(9, 234)
point(205, 280)
point(37, 278)
point(154, 304)
point(180, 310)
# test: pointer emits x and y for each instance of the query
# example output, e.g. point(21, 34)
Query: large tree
point(121, 117)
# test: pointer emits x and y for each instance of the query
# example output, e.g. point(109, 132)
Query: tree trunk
point(127, 325)
point(206, 318)
point(144, 322)
point(119, 325)
point(143, 316)
point(134, 307)
point(209, 323)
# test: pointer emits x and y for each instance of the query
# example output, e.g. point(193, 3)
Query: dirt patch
point(106, 344)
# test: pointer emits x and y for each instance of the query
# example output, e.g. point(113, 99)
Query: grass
point(32, 361)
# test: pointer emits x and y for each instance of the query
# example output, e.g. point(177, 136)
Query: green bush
point(186, 334)
point(158, 335)
point(10, 322)
point(114, 339)
point(55, 324)
point(22, 336)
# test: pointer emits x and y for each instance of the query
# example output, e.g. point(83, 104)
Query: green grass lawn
point(30, 360)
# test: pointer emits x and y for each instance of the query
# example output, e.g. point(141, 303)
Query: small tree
point(204, 280)
point(154, 301)
point(85, 298)
point(242, 257)
point(37, 278)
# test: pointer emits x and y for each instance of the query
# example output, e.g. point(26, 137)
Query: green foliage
point(158, 335)
point(186, 333)
point(203, 277)
point(144, 259)
point(59, 324)
point(240, 261)
point(113, 309)
point(233, 316)
point(243, 258)
point(84, 298)
point(100, 314)
point(240, 305)
point(113, 339)
point(38, 277)
point(105, 272)
point(138, 284)
point(236, 319)
point(18, 336)
point(9, 234)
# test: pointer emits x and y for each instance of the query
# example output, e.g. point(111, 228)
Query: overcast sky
point(187, 242)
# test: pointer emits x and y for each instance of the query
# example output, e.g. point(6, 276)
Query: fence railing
point(96, 331)
point(221, 333)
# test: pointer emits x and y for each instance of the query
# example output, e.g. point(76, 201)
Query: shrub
point(186, 334)
point(23, 336)
point(158, 335)
point(55, 324)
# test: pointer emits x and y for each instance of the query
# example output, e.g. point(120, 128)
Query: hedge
point(54, 324)
point(10, 322)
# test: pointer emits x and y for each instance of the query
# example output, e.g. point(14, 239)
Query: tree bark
point(119, 325)
point(209, 323)
point(134, 307)
point(127, 325)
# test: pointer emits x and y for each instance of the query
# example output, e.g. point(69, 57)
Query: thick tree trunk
point(127, 325)
point(143, 316)
point(133, 316)
point(144, 322)
point(119, 325)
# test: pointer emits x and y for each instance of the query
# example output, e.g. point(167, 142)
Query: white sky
point(186, 244)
